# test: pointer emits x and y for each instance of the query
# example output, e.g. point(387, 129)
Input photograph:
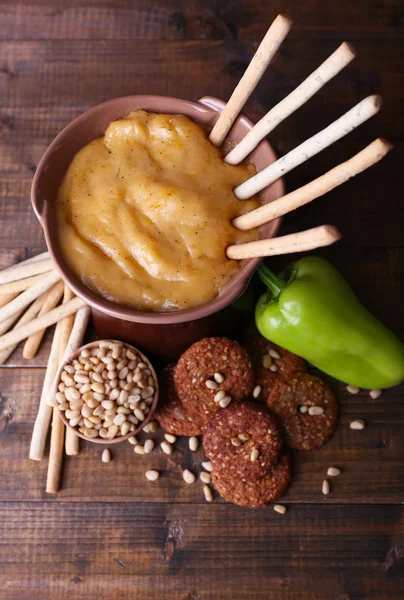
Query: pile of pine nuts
point(107, 391)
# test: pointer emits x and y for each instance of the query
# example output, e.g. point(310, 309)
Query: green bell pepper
point(313, 312)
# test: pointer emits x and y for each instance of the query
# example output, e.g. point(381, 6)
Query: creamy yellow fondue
point(144, 213)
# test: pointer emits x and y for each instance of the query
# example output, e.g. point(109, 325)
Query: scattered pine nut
point(316, 410)
point(148, 446)
point(170, 438)
point(254, 454)
point(218, 377)
point(166, 447)
point(236, 441)
point(266, 361)
point(358, 424)
point(188, 476)
point(204, 477)
point(244, 437)
point(225, 402)
point(152, 475)
point(279, 508)
point(106, 455)
point(333, 471)
point(352, 389)
point(139, 449)
point(303, 409)
point(193, 443)
point(133, 440)
point(207, 465)
point(273, 368)
point(207, 493)
point(274, 353)
point(374, 394)
point(325, 487)
point(256, 391)
point(211, 385)
point(219, 396)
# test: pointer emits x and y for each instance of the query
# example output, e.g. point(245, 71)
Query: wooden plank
point(372, 459)
point(173, 19)
point(54, 551)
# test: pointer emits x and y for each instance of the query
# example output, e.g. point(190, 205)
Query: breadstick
point(27, 261)
point(71, 439)
point(6, 298)
point(30, 314)
point(22, 271)
point(320, 186)
point(43, 418)
point(295, 242)
point(52, 299)
point(46, 282)
point(53, 316)
point(260, 61)
point(8, 323)
point(342, 126)
point(314, 82)
point(55, 452)
point(15, 287)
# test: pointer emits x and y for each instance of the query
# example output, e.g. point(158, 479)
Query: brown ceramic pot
point(164, 334)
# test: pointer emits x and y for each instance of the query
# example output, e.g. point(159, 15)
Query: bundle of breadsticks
point(32, 298)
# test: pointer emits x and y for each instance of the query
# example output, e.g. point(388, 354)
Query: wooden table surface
point(109, 533)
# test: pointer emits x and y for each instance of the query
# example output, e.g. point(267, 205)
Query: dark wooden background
point(109, 533)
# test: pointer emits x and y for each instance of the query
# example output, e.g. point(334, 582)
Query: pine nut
point(352, 389)
point(74, 421)
point(266, 361)
point(95, 419)
point(236, 441)
point(133, 419)
point(91, 433)
point(98, 411)
point(333, 471)
point(71, 414)
point(152, 475)
point(358, 424)
point(69, 381)
point(85, 388)
point(166, 448)
point(107, 404)
point(244, 437)
point(274, 353)
point(103, 433)
point(123, 373)
point(139, 449)
point(207, 465)
point(193, 443)
point(218, 377)
point(60, 397)
point(89, 424)
point(188, 476)
point(81, 378)
point(97, 377)
point(325, 488)
point(64, 406)
point(93, 403)
point(254, 454)
point(211, 385)
point(303, 409)
point(374, 394)
point(112, 431)
point(316, 410)
point(133, 440)
point(151, 427)
point(207, 492)
point(125, 428)
point(205, 477)
point(98, 387)
point(279, 508)
point(225, 402)
point(170, 438)
point(256, 391)
point(119, 419)
point(106, 455)
point(139, 414)
point(113, 384)
point(61, 386)
point(148, 446)
point(74, 393)
point(273, 368)
point(219, 396)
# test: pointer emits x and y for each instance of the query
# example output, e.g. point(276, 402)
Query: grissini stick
point(75, 341)
point(320, 186)
point(8, 323)
point(260, 61)
point(31, 294)
point(287, 244)
point(348, 122)
point(6, 298)
point(52, 299)
point(55, 452)
point(310, 86)
point(27, 261)
point(52, 317)
point(23, 270)
point(43, 418)
point(30, 314)
point(71, 439)
point(15, 287)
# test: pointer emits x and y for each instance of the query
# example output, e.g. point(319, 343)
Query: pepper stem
point(274, 283)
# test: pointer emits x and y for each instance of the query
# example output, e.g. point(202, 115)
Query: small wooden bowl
point(99, 440)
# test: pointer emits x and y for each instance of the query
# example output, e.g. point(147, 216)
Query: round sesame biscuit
point(259, 347)
point(194, 375)
point(225, 442)
point(169, 412)
point(255, 493)
point(303, 430)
